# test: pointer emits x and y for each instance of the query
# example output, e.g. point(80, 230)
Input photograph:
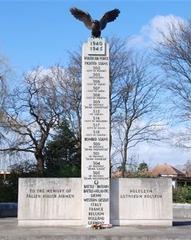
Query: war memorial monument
point(95, 198)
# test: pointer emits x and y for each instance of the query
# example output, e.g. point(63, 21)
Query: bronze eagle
point(95, 25)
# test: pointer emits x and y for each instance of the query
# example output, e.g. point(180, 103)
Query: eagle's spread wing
point(109, 17)
point(82, 16)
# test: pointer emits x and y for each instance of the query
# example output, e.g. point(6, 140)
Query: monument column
point(95, 132)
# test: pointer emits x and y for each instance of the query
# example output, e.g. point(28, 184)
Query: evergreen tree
point(143, 167)
point(63, 154)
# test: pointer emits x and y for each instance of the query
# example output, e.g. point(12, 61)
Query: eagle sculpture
point(95, 25)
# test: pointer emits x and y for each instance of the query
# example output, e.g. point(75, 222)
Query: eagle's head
point(96, 24)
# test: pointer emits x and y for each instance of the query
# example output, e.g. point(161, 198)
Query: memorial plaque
point(49, 202)
point(141, 201)
point(95, 132)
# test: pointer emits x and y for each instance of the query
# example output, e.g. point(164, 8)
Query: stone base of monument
point(141, 201)
point(50, 202)
point(58, 202)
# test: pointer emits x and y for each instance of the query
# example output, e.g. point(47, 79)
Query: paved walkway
point(10, 231)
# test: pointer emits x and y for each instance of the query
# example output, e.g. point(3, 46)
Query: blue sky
point(42, 32)
point(34, 33)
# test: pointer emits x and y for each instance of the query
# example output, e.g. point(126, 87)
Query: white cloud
point(151, 33)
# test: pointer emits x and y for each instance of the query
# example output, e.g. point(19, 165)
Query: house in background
point(179, 178)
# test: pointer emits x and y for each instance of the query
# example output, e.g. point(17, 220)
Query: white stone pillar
point(95, 132)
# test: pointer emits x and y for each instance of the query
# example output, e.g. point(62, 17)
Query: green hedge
point(182, 194)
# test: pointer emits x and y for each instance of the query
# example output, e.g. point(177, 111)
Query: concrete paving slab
point(9, 230)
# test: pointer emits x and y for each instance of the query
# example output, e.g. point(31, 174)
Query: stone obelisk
point(95, 132)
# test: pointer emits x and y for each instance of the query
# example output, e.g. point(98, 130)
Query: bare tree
point(2, 99)
point(119, 63)
point(2, 91)
point(136, 118)
point(2, 95)
point(187, 168)
point(173, 53)
point(33, 111)
point(119, 58)
point(133, 90)
point(36, 109)
point(4, 72)
point(70, 85)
